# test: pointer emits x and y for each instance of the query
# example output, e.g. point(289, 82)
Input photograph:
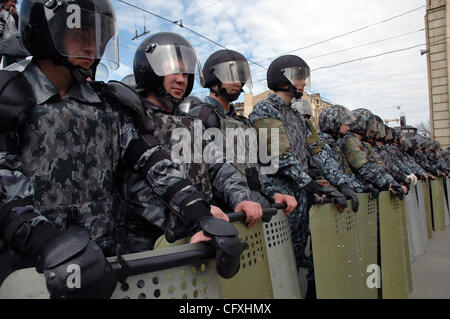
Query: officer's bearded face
point(80, 47)
point(176, 84)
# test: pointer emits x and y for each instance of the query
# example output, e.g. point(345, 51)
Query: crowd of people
point(87, 168)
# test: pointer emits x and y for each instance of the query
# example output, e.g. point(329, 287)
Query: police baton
point(183, 231)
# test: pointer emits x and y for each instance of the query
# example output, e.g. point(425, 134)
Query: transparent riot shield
point(437, 204)
point(410, 203)
point(337, 258)
point(368, 240)
point(427, 207)
point(280, 252)
point(417, 224)
point(394, 273)
point(406, 245)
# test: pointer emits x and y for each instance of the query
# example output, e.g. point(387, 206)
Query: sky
point(361, 53)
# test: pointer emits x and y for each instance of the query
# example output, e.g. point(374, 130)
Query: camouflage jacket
point(330, 145)
point(218, 179)
point(246, 142)
point(395, 155)
point(389, 164)
point(70, 156)
point(292, 167)
point(363, 164)
point(424, 162)
point(410, 161)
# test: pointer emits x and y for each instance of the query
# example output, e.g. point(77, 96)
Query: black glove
point(396, 189)
point(350, 194)
point(372, 190)
point(71, 253)
point(228, 246)
point(332, 193)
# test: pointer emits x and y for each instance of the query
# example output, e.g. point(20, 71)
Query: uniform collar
point(44, 90)
point(219, 107)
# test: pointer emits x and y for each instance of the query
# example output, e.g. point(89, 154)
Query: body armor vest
point(71, 153)
point(197, 173)
point(296, 133)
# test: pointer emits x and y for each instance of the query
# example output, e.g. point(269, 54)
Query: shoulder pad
point(207, 113)
point(16, 97)
point(125, 95)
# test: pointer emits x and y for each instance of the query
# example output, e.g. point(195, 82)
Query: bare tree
point(424, 129)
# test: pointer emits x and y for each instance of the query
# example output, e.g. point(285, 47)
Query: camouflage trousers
point(299, 226)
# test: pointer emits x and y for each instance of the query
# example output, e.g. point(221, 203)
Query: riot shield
point(368, 238)
point(437, 204)
point(427, 206)
point(192, 280)
point(417, 224)
point(337, 259)
point(253, 279)
point(394, 274)
point(406, 245)
point(280, 252)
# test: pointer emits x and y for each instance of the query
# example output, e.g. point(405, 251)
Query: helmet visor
point(234, 72)
point(169, 59)
point(298, 76)
point(84, 34)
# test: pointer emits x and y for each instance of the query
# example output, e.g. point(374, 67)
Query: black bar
point(155, 263)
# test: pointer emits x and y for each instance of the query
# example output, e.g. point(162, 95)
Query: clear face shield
point(170, 59)
point(302, 106)
point(84, 34)
point(234, 72)
point(298, 76)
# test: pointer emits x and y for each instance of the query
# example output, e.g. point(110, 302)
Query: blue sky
point(265, 29)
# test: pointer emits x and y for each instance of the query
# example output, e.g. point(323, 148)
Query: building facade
point(437, 25)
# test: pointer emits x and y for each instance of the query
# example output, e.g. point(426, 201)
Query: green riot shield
point(280, 251)
point(368, 238)
point(437, 204)
point(394, 274)
point(253, 279)
point(337, 259)
point(406, 245)
point(427, 204)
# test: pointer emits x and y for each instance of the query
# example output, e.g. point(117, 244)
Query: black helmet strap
point(223, 92)
point(292, 89)
point(77, 72)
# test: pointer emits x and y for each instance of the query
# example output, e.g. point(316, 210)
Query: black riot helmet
point(288, 70)
point(163, 54)
point(62, 29)
point(226, 67)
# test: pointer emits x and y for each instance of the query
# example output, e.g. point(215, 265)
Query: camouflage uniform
point(291, 177)
point(389, 163)
point(69, 158)
point(360, 155)
point(219, 180)
point(213, 114)
point(328, 126)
